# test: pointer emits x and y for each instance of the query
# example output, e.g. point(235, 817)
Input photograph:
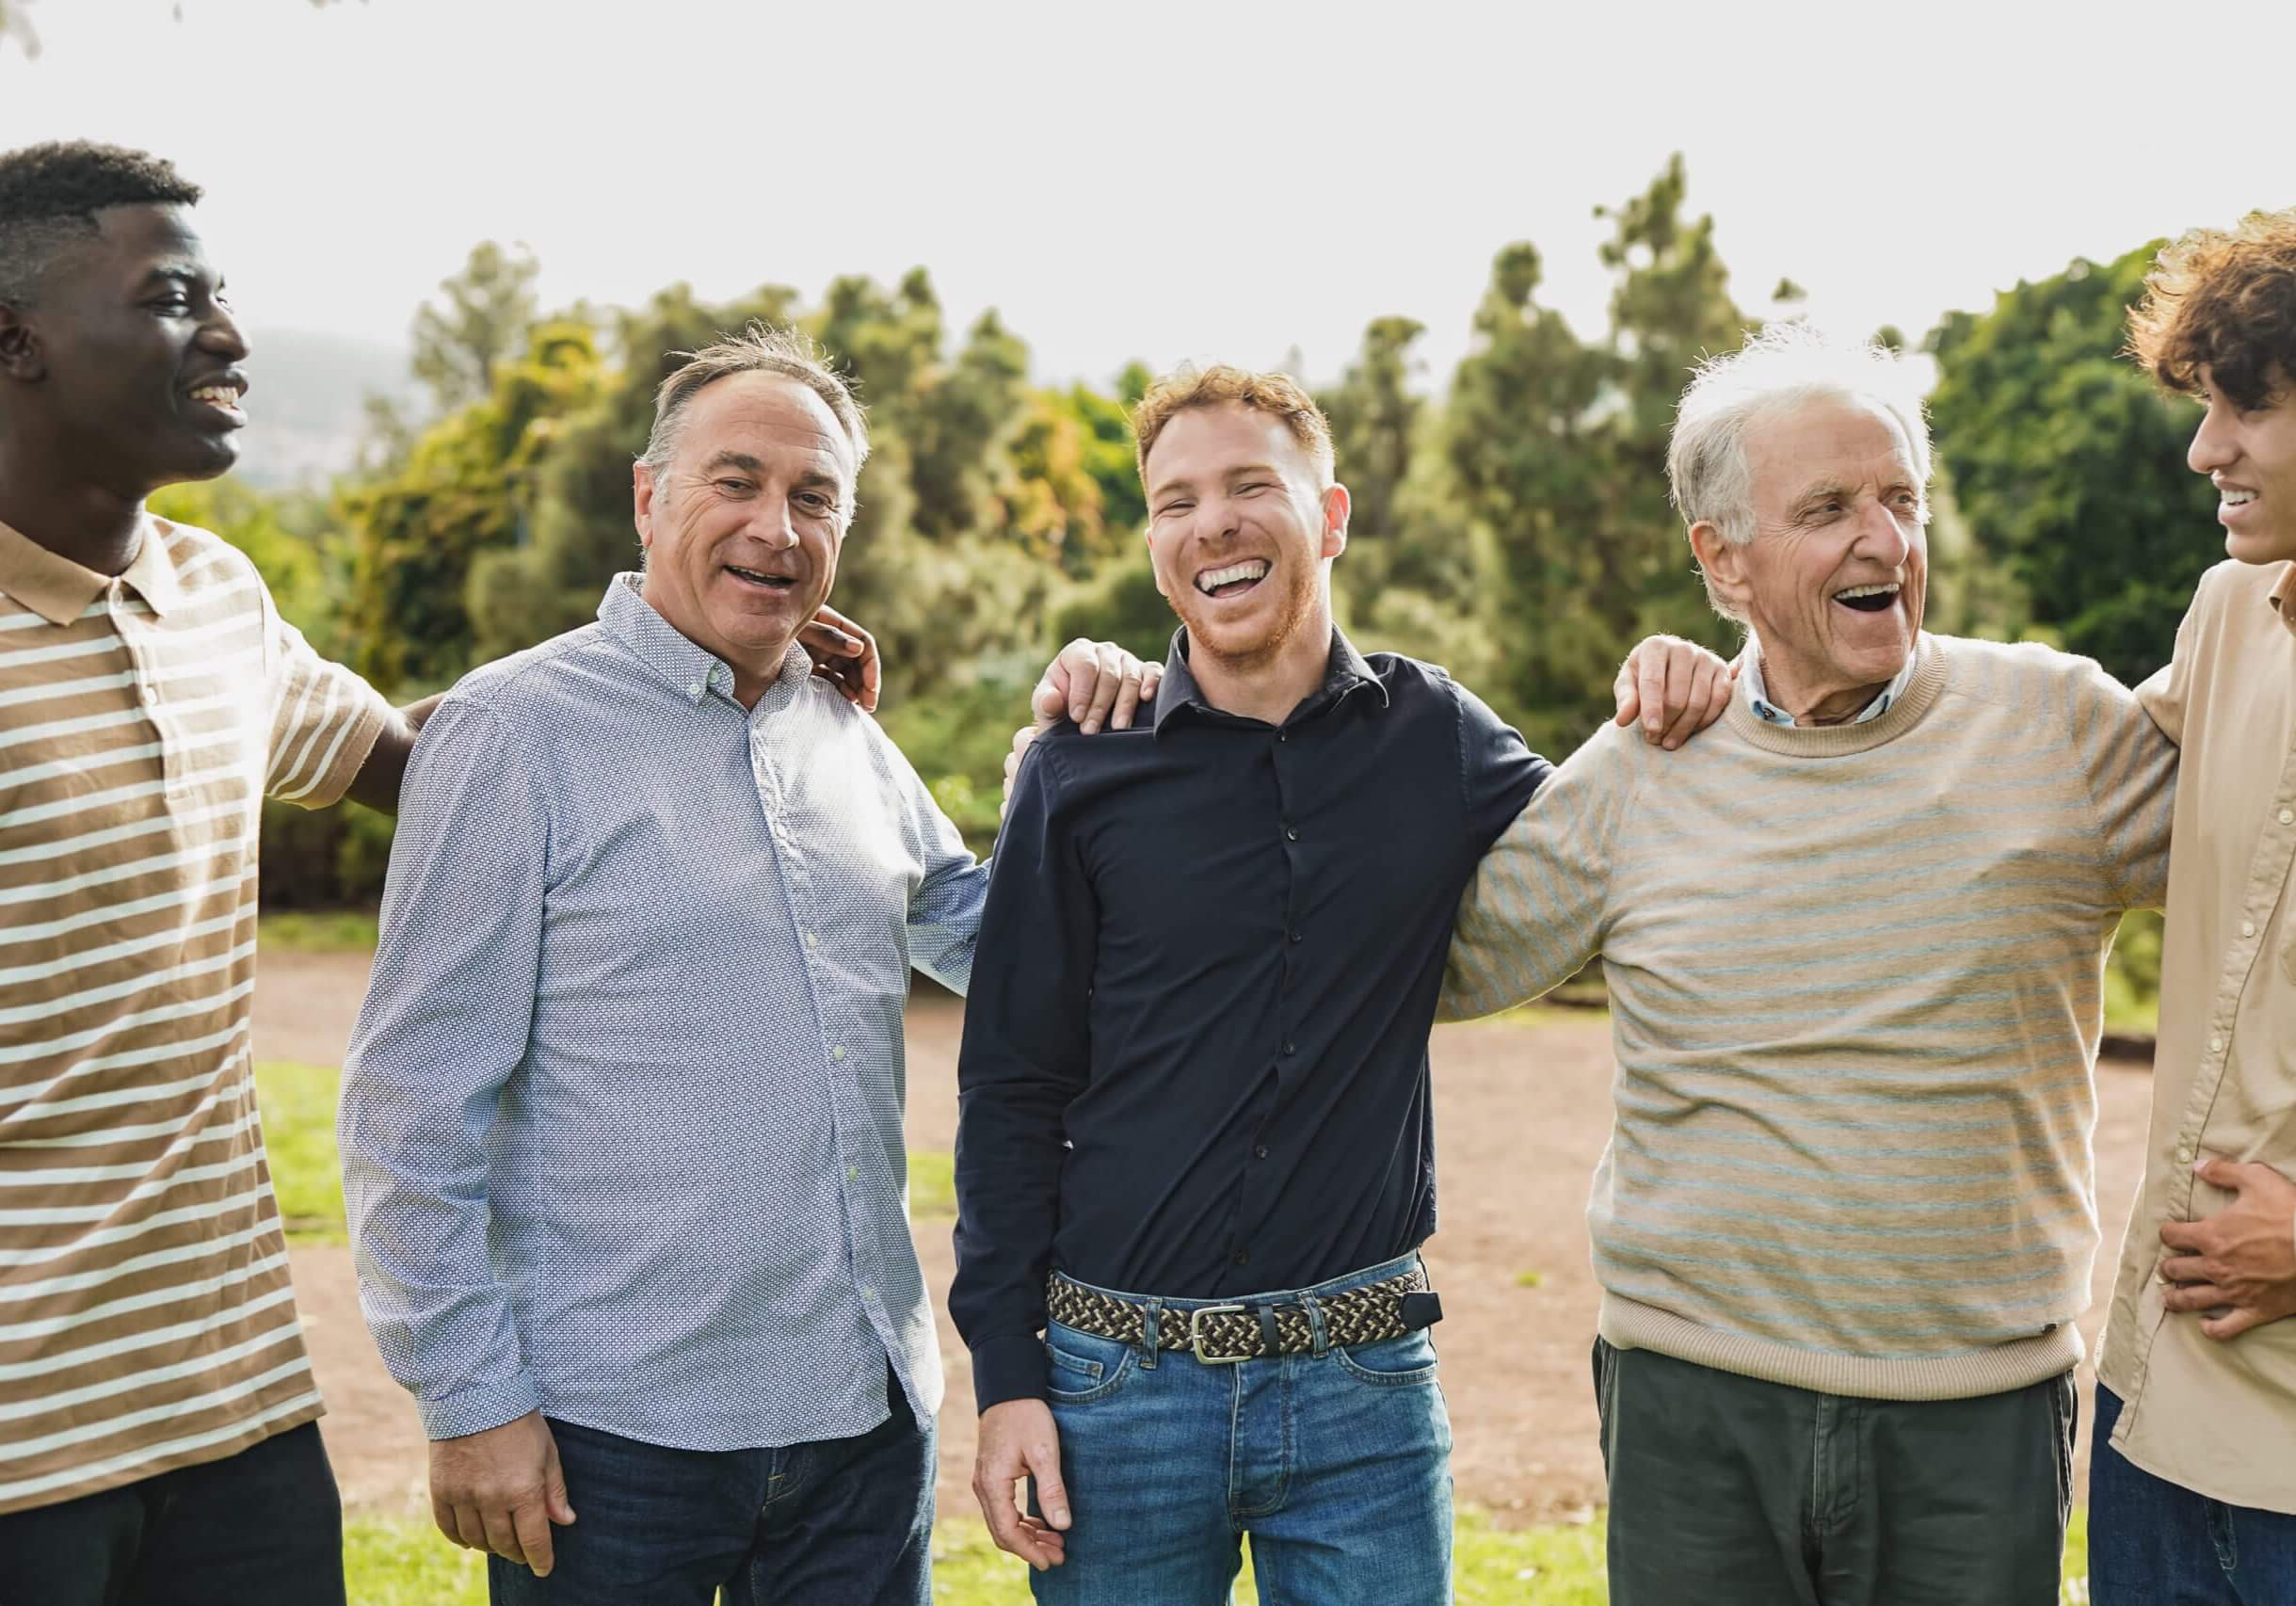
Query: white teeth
point(1254, 569)
point(2237, 498)
point(1865, 591)
point(223, 395)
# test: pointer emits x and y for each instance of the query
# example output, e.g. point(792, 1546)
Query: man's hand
point(500, 1490)
point(1094, 682)
point(1676, 687)
point(1089, 682)
point(2242, 1259)
point(1018, 1437)
point(844, 654)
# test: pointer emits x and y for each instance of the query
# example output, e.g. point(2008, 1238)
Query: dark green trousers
point(1729, 1492)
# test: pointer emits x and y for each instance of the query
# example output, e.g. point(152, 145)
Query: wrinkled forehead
point(769, 417)
point(1849, 442)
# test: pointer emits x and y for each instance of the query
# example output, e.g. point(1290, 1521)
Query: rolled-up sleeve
point(445, 1027)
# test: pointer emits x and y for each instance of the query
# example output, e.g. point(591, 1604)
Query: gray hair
point(758, 350)
point(1783, 367)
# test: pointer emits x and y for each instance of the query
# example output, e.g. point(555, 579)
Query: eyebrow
point(177, 273)
point(1167, 486)
point(741, 461)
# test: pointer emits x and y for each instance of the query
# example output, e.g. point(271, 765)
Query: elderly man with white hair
point(1854, 936)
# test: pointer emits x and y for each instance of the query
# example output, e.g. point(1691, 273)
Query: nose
point(2212, 450)
point(220, 335)
point(1881, 538)
point(777, 530)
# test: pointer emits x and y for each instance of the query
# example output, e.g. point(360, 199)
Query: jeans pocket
point(1083, 1367)
point(1392, 1362)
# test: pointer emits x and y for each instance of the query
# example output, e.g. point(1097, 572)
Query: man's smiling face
point(139, 356)
point(744, 527)
point(2249, 456)
point(1241, 530)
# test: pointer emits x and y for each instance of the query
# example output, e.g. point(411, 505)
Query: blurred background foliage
point(1510, 518)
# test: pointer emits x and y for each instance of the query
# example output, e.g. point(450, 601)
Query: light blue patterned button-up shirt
point(621, 1124)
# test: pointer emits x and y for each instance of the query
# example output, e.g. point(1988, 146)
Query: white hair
point(1784, 367)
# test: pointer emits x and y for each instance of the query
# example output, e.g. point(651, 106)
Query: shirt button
point(1260, 1152)
point(2287, 816)
point(1242, 1257)
point(811, 941)
point(2216, 1045)
point(693, 688)
point(853, 1173)
point(838, 1053)
point(2248, 928)
point(1291, 1047)
point(148, 692)
point(1295, 936)
point(868, 1293)
point(2184, 1154)
point(1291, 831)
point(1283, 735)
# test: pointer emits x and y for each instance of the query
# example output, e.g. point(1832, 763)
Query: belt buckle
point(1195, 1333)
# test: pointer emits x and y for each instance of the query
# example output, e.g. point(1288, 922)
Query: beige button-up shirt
point(2218, 1416)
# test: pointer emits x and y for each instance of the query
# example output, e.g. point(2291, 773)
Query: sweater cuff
point(1011, 1368)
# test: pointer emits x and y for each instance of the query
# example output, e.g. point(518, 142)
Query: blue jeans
point(263, 1525)
point(1338, 1465)
point(2154, 1543)
point(840, 1522)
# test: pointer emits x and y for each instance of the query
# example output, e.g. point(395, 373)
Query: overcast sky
point(1164, 179)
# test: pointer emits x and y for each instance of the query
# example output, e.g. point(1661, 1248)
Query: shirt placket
point(846, 1117)
point(143, 678)
point(1287, 762)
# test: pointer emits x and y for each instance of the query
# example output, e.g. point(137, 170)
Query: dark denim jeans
point(1337, 1464)
point(840, 1522)
point(265, 1525)
point(2154, 1543)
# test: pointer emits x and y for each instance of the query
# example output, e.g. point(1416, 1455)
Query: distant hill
point(307, 402)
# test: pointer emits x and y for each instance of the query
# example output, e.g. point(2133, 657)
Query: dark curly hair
point(50, 193)
point(2223, 299)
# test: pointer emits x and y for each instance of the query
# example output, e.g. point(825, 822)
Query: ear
point(1149, 535)
point(1337, 506)
point(642, 488)
point(1724, 562)
point(19, 353)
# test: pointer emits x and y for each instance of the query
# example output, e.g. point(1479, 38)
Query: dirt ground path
point(1523, 1111)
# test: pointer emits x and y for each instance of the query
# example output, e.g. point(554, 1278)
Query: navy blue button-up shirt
point(621, 1131)
point(1195, 1059)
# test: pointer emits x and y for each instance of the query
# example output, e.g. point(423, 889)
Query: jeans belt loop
point(1149, 1335)
point(1315, 1324)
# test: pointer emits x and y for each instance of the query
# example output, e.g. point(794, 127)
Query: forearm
point(1009, 1165)
point(379, 780)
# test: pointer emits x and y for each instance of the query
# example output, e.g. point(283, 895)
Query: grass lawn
point(334, 931)
point(405, 1563)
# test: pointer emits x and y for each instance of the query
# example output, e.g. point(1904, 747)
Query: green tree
point(479, 321)
point(1556, 447)
point(469, 485)
point(2068, 463)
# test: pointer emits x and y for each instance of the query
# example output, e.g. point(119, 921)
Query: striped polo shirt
point(146, 1320)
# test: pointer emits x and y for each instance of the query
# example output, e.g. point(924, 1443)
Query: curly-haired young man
point(2192, 1487)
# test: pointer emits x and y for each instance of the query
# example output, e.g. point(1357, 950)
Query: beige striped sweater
point(1855, 976)
point(146, 1320)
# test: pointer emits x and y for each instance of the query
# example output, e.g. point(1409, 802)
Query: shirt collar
point(688, 668)
point(61, 590)
point(1346, 669)
point(1757, 691)
point(2284, 594)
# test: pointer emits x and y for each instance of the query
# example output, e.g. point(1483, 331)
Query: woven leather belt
point(1222, 1335)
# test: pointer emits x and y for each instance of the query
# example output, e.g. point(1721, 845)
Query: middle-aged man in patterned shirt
point(621, 1127)
point(2192, 1480)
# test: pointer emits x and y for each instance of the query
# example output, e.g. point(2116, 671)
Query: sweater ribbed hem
point(1630, 1326)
